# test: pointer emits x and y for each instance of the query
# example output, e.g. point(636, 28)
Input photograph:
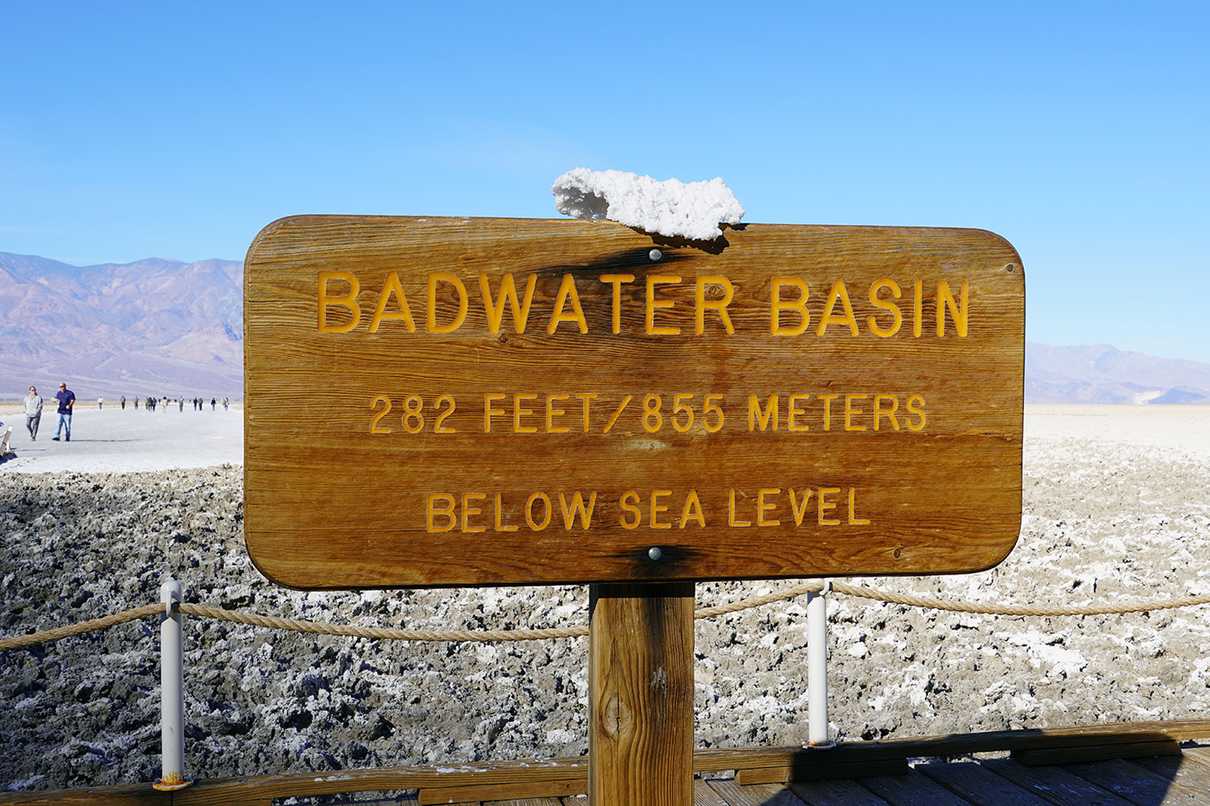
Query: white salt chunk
point(672, 208)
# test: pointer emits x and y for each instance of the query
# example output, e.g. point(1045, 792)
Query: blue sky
point(1081, 133)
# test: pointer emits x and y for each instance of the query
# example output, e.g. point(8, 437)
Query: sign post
point(466, 402)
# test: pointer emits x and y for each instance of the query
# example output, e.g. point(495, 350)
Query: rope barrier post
point(640, 692)
point(172, 691)
point(817, 669)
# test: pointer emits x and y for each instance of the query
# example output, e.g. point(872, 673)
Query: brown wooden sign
point(461, 401)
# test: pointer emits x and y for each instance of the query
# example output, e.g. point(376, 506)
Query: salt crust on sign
point(672, 208)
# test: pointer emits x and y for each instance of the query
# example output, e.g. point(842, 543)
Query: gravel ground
point(1103, 521)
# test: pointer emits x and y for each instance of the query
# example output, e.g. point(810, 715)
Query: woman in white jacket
point(33, 412)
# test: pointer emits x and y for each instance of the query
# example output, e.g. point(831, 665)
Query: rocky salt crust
point(1103, 522)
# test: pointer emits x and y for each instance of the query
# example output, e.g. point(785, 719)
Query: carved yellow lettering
point(762, 417)
point(732, 520)
point(530, 520)
point(451, 280)
point(799, 508)
point(616, 281)
point(915, 406)
point(654, 304)
point(720, 305)
point(520, 410)
point(853, 519)
point(493, 307)
point(837, 292)
point(827, 399)
point(692, 511)
point(391, 287)
point(631, 516)
point(885, 305)
point(500, 525)
point(439, 505)
point(659, 508)
point(576, 508)
point(794, 412)
point(798, 305)
point(489, 410)
point(586, 399)
point(348, 301)
point(567, 291)
point(889, 413)
point(850, 411)
point(917, 307)
point(553, 411)
point(469, 510)
point(764, 506)
point(825, 504)
point(957, 309)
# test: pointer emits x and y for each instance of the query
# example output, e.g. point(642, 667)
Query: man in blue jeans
point(67, 401)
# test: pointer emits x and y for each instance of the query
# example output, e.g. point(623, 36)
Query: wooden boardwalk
point(1141, 763)
point(1181, 779)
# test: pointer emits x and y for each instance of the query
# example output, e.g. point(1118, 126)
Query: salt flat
point(1177, 429)
point(117, 441)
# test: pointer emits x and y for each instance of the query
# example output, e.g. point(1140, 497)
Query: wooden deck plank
point(704, 795)
point(1199, 754)
point(755, 795)
point(912, 789)
point(1186, 771)
point(956, 745)
point(1096, 752)
point(1136, 784)
point(527, 802)
point(835, 793)
point(491, 793)
point(1055, 784)
point(969, 780)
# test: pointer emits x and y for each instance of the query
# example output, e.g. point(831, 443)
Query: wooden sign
point(461, 401)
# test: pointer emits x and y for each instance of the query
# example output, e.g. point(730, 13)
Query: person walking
point(33, 412)
point(123, 402)
point(213, 403)
point(180, 402)
point(67, 404)
point(226, 403)
point(100, 403)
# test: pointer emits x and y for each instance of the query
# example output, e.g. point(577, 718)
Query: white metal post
point(172, 691)
point(817, 668)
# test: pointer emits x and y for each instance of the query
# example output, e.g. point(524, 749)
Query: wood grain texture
point(640, 679)
point(332, 505)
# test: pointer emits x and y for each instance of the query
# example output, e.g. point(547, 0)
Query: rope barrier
point(397, 634)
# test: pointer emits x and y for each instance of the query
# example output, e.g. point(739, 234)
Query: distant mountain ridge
point(167, 327)
point(151, 327)
point(1103, 374)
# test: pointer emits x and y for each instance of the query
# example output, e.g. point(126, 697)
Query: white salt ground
point(117, 441)
point(672, 208)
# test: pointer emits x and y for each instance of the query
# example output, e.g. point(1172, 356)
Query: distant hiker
point(226, 403)
point(213, 403)
point(123, 402)
point(33, 412)
point(180, 404)
point(136, 404)
point(100, 403)
point(67, 404)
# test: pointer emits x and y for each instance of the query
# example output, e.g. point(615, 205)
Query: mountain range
point(152, 327)
point(166, 327)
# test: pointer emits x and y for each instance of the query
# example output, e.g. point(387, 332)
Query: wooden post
point(641, 694)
